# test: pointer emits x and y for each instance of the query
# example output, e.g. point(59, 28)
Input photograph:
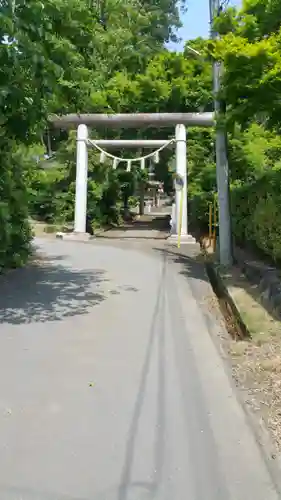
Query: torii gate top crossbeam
point(134, 120)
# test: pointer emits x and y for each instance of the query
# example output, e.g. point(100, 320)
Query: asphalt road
point(111, 387)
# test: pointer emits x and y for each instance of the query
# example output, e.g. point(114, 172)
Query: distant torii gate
point(158, 120)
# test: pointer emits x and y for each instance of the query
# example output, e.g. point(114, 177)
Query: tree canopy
point(109, 56)
point(56, 54)
point(250, 50)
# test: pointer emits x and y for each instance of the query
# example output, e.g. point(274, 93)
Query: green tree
point(54, 57)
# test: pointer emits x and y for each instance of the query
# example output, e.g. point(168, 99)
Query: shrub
point(15, 232)
point(256, 213)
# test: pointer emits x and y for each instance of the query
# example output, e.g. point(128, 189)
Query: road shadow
point(155, 353)
point(191, 261)
point(47, 291)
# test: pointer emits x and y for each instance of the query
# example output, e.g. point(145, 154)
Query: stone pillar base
point(186, 239)
point(73, 236)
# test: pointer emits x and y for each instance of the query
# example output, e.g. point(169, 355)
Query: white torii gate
point(180, 120)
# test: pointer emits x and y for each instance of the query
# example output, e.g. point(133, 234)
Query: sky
point(196, 21)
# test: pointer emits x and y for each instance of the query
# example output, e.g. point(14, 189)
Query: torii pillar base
point(74, 236)
point(185, 239)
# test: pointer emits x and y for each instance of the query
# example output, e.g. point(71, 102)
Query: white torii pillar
point(181, 170)
point(81, 180)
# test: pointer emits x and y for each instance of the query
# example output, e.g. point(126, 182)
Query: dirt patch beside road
point(256, 362)
point(256, 359)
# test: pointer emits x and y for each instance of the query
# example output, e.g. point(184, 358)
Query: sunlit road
point(111, 387)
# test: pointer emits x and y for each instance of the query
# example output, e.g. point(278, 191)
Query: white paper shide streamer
point(115, 163)
point(156, 157)
point(102, 157)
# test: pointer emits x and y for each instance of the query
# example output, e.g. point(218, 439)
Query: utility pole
point(222, 171)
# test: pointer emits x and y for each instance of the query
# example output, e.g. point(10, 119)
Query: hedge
point(256, 213)
point(15, 232)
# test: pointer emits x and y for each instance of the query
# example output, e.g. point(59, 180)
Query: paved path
point(146, 227)
point(111, 387)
